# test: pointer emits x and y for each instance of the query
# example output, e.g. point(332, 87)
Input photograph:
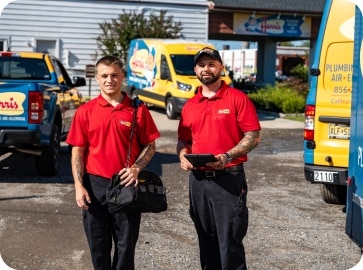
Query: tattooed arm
point(129, 175)
point(146, 155)
point(248, 142)
point(82, 196)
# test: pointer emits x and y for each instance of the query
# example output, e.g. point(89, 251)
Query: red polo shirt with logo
point(217, 124)
point(104, 131)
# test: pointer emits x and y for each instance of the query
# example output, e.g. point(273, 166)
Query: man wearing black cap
point(222, 121)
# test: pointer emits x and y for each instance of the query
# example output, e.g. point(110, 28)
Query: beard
point(207, 81)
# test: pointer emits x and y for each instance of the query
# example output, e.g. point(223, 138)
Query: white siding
point(75, 24)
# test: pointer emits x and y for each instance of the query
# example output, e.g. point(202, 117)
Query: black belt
point(216, 173)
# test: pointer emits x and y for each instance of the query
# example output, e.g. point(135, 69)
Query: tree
point(117, 34)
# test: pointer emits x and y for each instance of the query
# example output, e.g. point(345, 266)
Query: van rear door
point(333, 94)
point(327, 129)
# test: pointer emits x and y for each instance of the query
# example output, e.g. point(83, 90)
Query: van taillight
point(309, 123)
point(35, 107)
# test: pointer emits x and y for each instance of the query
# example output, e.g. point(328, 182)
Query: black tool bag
point(148, 196)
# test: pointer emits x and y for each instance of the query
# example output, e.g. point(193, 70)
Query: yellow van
point(161, 72)
point(327, 115)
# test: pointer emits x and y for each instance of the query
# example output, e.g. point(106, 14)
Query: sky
point(4, 3)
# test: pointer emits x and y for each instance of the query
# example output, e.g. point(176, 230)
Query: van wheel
point(47, 163)
point(334, 194)
point(170, 109)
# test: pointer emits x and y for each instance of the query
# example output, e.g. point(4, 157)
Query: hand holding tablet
point(199, 160)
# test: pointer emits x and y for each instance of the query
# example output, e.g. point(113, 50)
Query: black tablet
point(199, 160)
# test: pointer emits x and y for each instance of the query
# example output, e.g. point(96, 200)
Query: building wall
point(72, 26)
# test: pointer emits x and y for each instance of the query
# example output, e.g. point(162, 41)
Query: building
point(68, 28)
point(243, 62)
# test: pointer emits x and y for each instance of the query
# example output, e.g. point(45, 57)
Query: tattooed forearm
point(145, 156)
point(78, 164)
point(249, 142)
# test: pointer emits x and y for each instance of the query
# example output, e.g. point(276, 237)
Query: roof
point(289, 6)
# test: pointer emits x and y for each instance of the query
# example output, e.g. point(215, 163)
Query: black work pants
point(220, 215)
point(102, 227)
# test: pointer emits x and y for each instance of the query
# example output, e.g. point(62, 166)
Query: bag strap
point(136, 102)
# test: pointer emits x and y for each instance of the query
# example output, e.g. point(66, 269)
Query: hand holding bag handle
point(148, 196)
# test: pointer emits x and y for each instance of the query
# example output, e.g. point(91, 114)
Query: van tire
point(170, 109)
point(333, 194)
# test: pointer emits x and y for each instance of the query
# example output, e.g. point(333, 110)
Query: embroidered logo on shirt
point(128, 124)
point(223, 111)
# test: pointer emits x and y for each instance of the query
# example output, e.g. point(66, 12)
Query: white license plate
point(322, 176)
point(339, 132)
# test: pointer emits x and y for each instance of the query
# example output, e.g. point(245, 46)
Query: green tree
point(117, 33)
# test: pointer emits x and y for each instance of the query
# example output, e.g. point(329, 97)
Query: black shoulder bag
point(148, 196)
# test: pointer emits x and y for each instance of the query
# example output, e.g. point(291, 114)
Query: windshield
point(19, 68)
point(183, 64)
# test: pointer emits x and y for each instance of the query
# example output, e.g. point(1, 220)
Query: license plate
point(322, 176)
point(339, 132)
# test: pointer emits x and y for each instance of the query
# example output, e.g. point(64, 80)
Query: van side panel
point(141, 66)
point(330, 93)
point(354, 209)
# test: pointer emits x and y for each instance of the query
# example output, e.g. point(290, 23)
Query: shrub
point(288, 96)
point(294, 104)
point(278, 98)
point(299, 80)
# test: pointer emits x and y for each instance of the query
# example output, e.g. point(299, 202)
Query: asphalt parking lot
point(290, 226)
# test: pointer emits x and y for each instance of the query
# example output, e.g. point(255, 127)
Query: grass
point(295, 117)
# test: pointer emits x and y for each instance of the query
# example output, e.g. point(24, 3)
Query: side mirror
point(164, 75)
point(79, 81)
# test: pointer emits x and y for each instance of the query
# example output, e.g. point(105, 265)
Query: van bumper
point(179, 103)
point(331, 175)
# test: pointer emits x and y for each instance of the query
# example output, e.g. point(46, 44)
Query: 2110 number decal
point(322, 176)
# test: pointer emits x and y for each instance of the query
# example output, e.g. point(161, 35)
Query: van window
point(164, 69)
point(183, 64)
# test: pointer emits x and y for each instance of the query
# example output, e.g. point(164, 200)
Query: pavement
point(275, 121)
point(266, 121)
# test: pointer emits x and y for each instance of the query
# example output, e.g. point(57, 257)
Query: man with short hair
point(100, 136)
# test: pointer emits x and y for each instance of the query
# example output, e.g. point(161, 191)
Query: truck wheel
point(47, 164)
point(170, 109)
point(334, 194)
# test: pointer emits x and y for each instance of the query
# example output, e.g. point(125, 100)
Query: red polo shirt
point(105, 133)
point(217, 124)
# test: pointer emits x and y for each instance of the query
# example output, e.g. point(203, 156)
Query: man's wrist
point(228, 157)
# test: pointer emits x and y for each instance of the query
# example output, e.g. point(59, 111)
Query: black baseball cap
point(208, 51)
